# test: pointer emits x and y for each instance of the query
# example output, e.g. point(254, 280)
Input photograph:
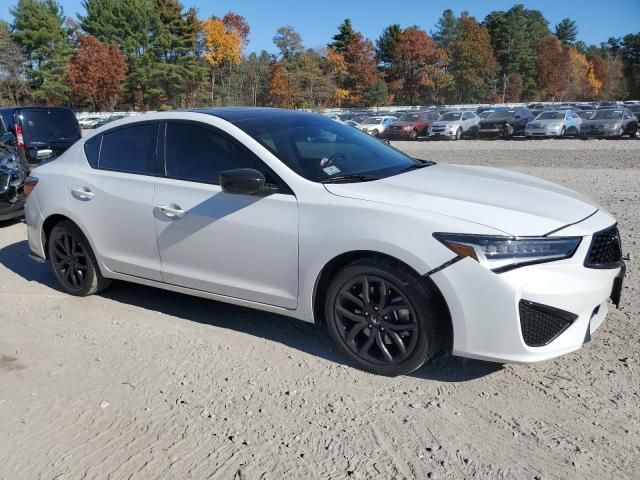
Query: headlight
point(500, 254)
point(9, 162)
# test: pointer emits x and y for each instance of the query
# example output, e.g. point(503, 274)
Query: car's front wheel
point(413, 135)
point(73, 263)
point(383, 316)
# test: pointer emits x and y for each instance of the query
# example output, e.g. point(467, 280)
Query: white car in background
point(376, 125)
point(453, 125)
point(295, 214)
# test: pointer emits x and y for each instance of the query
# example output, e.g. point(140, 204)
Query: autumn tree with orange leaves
point(96, 72)
point(418, 73)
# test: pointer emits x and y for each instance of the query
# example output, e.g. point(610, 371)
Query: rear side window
point(92, 150)
point(199, 154)
point(129, 149)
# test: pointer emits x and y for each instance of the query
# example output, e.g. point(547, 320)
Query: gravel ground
point(142, 383)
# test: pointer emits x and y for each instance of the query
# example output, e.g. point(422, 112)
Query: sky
point(317, 21)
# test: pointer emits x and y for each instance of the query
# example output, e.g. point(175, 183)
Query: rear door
point(241, 246)
point(112, 195)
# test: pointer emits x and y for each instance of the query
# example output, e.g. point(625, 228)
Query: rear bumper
point(485, 307)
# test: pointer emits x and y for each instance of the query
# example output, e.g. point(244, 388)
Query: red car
point(410, 125)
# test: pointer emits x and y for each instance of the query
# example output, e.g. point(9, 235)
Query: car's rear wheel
point(73, 262)
point(383, 316)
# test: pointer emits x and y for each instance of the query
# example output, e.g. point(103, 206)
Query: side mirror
point(518, 116)
point(245, 181)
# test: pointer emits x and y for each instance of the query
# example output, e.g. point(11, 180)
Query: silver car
point(554, 123)
point(453, 125)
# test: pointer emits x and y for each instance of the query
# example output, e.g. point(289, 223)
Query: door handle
point(171, 211)
point(82, 193)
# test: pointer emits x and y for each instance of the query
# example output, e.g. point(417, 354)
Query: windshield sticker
point(331, 170)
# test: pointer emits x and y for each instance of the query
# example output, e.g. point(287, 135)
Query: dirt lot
point(142, 383)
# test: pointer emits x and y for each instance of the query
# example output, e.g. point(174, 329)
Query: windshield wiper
point(357, 177)
point(415, 166)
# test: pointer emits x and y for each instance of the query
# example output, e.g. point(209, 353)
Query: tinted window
point(47, 124)
point(130, 149)
point(200, 153)
point(92, 150)
point(467, 116)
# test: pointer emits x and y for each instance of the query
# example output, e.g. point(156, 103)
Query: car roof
point(239, 114)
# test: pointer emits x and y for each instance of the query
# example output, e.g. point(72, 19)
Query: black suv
point(42, 133)
point(12, 175)
point(505, 123)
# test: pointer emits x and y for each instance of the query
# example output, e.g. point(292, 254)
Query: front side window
point(130, 149)
point(200, 154)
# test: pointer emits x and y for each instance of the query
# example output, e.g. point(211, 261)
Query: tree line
point(159, 54)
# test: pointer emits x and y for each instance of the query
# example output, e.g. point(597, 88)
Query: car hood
point(514, 203)
point(404, 124)
point(602, 122)
point(546, 121)
point(489, 122)
point(445, 123)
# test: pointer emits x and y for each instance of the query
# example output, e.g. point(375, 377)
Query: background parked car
point(42, 133)
point(411, 125)
point(505, 123)
point(610, 122)
point(376, 125)
point(453, 125)
point(12, 175)
point(554, 123)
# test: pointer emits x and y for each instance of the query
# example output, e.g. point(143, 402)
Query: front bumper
point(396, 134)
point(485, 307)
point(441, 134)
point(599, 133)
point(543, 131)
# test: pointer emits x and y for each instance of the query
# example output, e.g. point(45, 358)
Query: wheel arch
point(333, 266)
point(52, 220)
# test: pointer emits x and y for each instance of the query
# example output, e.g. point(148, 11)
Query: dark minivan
point(42, 133)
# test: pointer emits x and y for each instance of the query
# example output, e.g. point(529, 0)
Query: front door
point(241, 246)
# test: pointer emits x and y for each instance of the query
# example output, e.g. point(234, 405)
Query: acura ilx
point(293, 213)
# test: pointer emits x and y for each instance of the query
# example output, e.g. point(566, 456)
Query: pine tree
point(566, 31)
point(447, 29)
point(343, 38)
point(386, 43)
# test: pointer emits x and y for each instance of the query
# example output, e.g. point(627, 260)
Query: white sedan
point(376, 125)
point(296, 214)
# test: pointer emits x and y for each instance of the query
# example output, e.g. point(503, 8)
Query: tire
point(458, 134)
point(563, 132)
point(73, 263)
point(413, 135)
point(363, 332)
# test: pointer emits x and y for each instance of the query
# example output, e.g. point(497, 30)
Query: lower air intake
point(542, 324)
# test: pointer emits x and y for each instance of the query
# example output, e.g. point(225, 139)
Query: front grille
point(541, 324)
point(605, 250)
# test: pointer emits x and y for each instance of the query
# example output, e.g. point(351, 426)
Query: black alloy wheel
point(383, 316)
point(375, 320)
point(72, 261)
point(69, 260)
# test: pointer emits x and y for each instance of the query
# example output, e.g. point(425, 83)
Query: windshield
point(46, 125)
point(319, 149)
point(409, 117)
point(372, 121)
point(502, 114)
point(485, 114)
point(586, 114)
point(607, 115)
point(551, 116)
point(450, 117)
